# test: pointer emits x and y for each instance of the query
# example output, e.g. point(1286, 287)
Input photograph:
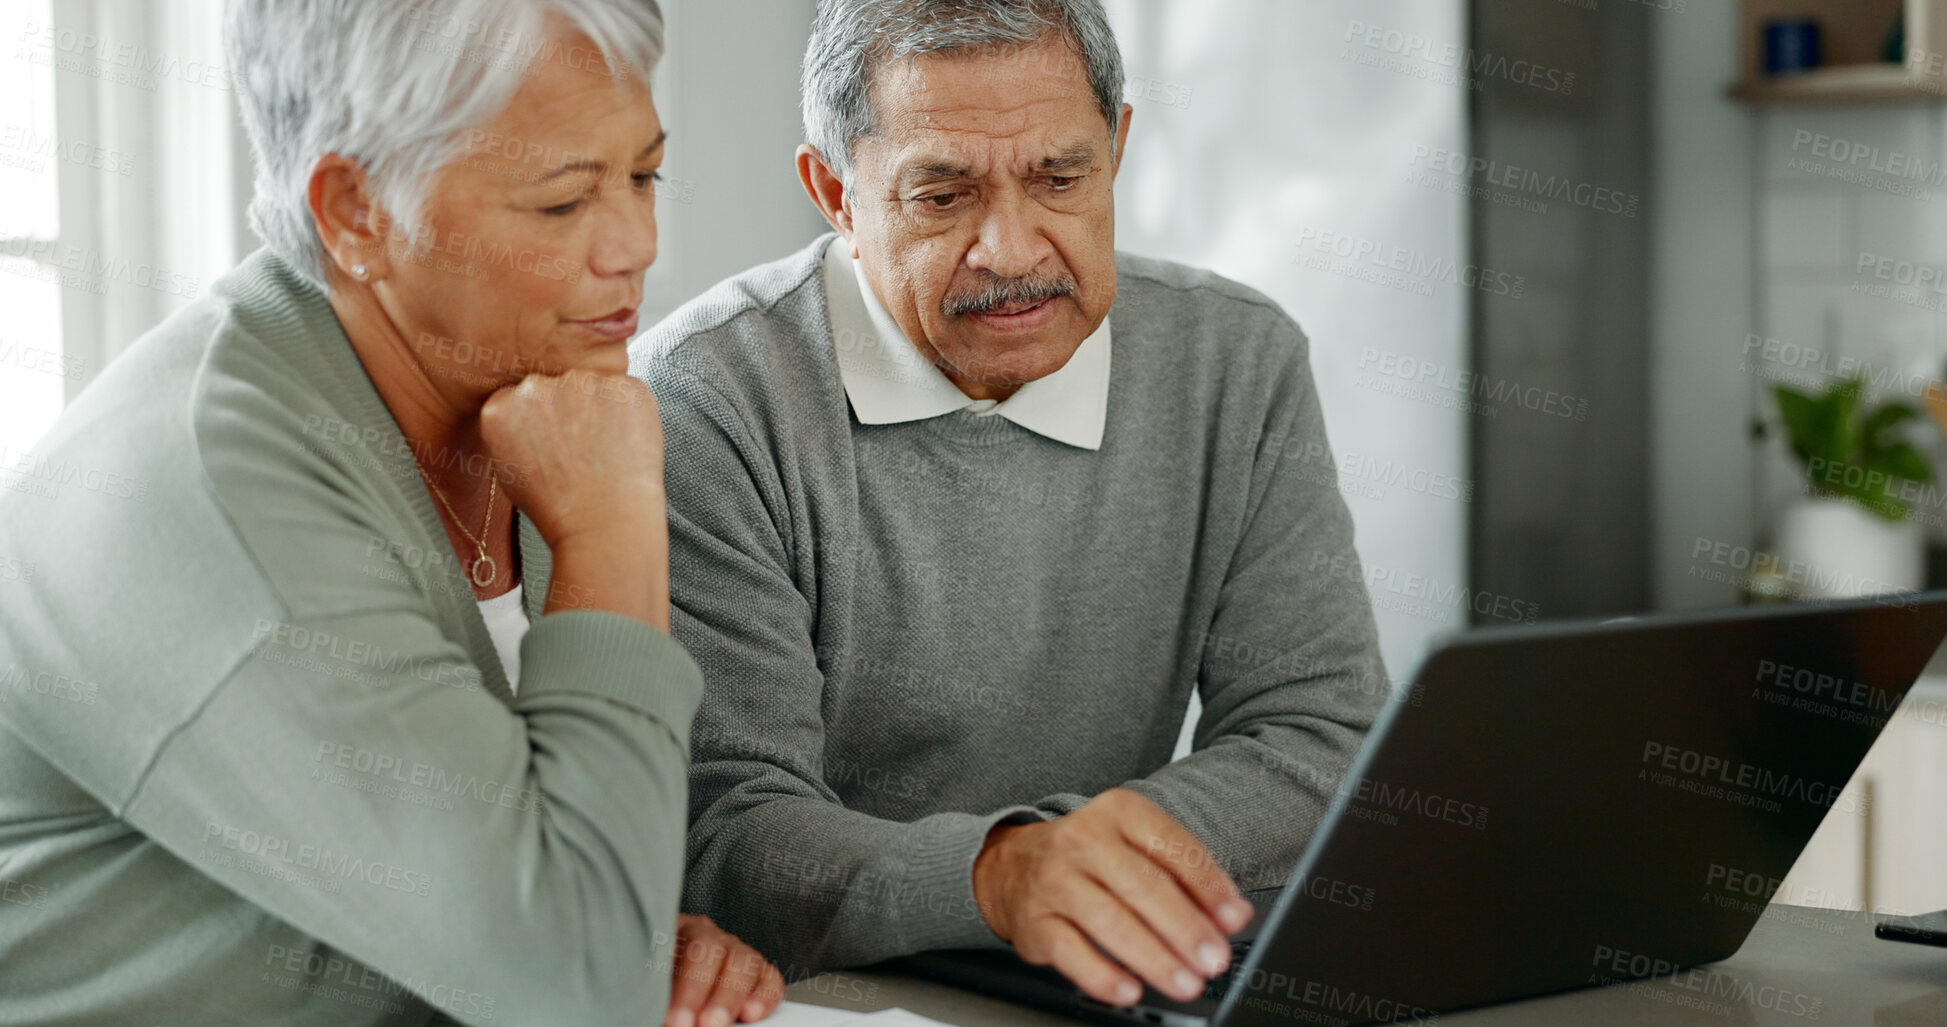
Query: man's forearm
point(814, 885)
point(1256, 801)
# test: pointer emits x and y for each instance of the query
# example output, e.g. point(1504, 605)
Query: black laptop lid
point(1564, 806)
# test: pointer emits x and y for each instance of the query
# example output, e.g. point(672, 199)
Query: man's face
point(983, 213)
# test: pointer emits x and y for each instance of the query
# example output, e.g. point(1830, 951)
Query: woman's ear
point(352, 225)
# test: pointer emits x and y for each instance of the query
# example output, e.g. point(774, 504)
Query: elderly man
point(963, 505)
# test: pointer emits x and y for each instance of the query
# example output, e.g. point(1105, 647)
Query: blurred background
point(1615, 306)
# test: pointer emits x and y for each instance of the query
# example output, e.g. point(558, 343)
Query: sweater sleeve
point(274, 703)
point(1291, 678)
point(774, 856)
point(508, 866)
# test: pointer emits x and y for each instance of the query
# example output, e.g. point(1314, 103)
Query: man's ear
point(1122, 135)
point(352, 225)
point(826, 189)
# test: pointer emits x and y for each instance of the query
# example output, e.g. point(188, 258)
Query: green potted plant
point(1852, 533)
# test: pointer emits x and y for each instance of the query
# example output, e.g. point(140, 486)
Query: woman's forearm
point(620, 568)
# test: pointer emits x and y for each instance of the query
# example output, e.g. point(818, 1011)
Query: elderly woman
point(362, 709)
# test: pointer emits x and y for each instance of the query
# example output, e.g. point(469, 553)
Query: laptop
point(1556, 807)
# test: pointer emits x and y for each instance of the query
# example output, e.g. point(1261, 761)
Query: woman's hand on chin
point(581, 454)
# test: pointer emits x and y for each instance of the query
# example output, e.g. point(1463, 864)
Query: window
point(33, 366)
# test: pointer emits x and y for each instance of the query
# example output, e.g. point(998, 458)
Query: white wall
point(1258, 129)
point(728, 94)
point(1701, 212)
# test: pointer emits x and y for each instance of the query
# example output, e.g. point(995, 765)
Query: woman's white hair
point(396, 85)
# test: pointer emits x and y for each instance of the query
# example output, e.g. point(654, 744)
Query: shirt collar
point(889, 382)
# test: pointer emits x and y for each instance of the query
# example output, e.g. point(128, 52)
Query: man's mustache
point(997, 292)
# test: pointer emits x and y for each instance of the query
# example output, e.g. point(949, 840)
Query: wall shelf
point(1853, 37)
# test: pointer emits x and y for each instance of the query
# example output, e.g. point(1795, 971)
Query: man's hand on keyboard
point(1120, 874)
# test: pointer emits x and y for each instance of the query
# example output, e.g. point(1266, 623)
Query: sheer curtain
point(122, 184)
point(1290, 146)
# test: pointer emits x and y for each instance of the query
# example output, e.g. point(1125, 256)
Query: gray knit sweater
point(911, 632)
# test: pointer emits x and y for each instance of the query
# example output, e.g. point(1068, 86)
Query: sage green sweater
point(259, 763)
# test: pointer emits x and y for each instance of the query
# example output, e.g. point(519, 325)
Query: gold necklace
point(482, 564)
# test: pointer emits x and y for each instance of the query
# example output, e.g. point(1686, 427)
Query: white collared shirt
point(889, 382)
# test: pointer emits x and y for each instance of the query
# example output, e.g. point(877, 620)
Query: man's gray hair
point(852, 39)
point(397, 85)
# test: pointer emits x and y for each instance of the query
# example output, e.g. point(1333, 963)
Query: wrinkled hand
point(719, 980)
point(1120, 874)
point(581, 454)
point(588, 448)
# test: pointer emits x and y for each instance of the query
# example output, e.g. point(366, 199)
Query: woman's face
point(535, 241)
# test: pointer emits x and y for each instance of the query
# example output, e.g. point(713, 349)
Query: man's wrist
point(988, 869)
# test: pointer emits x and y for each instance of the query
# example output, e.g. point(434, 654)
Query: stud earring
point(360, 272)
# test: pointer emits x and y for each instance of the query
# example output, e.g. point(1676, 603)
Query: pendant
point(485, 570)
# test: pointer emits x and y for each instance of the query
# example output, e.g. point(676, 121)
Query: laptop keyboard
point(1221, 983)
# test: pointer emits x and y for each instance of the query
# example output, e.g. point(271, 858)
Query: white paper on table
point(798, 1014)
point(902, 1018)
